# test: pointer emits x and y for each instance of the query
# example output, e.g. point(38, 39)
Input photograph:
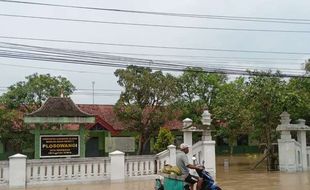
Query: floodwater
point(235, 174)
point(239, 175)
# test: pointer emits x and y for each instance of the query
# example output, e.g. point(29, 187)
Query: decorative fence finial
point(285, 118)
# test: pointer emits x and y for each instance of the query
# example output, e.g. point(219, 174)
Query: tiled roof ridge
point(71, 111)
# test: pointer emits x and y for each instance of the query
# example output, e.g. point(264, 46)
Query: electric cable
point(200, 16)
point(157, 25)
point(155, 47)
point(179, 63)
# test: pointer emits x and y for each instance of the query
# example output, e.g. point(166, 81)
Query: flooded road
point(239, 176)
point(235, 176)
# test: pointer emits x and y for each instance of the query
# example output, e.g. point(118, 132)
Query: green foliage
point(298, 101)
point(144, 103)
point(164, 139)
point(12, 132)
point(266, 95)
point(6, 122)
point(27, 96)
point(266, 100)
point(197, 89)
point(230, 113)
point(36, 89)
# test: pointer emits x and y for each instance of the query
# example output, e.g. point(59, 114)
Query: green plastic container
point(173, 184)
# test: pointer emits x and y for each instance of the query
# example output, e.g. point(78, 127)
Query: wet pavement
point(236, 175)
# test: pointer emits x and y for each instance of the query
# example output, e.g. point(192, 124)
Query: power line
point(140, 61)
point(54, 69)
point(198, 56)
point(218, 17)
point(78, 60)
point(117, 64)
point(156, 25)
point(100, 56)
point(90, 72)
point(65, 55)
point(183, 56)
point(85, 93)
point(153, 46)
point(82, 89)
point(78, 54)
point(61, 53)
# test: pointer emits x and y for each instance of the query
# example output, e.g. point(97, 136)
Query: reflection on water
point(236, 175)
point(132, 185)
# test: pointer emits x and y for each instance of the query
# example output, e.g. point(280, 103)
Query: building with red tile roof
point(106, 117)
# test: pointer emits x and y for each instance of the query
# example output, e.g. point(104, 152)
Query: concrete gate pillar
point(292, 155)
point(17, 171)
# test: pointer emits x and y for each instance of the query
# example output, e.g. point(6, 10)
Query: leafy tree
point(230, 110)
point(298, 101)
point(164, 139)
point(266, 101)
point(197, 89)
point(144, 103)
point(6, 122)
point(12, 132)
point(298, 104)
point(30, 94)
point(26, 96)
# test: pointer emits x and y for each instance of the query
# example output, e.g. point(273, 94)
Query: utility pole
point(93, 84)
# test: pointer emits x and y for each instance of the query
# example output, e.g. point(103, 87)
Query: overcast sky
point(105, 83)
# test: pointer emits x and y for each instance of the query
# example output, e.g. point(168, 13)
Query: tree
point(11, 131)
point(266, 101)
point(27, 96)
point(144, 103)
point(6, 123)
point(197, 90)
point(30, 94)
point(299, 88)
point(230, 111)
point(298, 99)
point(164, 139)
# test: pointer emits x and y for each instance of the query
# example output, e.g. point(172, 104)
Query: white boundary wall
point(116, 167)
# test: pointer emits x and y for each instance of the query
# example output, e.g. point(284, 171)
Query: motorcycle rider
point(184, 165)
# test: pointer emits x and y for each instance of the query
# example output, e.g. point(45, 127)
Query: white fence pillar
point(17, 171)
point(287, 155)
point(117, 165)
point(301, 135)
point(209, 156)
point(172, 155)
point(188, 139)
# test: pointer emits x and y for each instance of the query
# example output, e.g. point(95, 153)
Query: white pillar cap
point(117, 152)
point(18, 156)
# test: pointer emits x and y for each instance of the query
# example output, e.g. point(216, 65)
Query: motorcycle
point(208, 181)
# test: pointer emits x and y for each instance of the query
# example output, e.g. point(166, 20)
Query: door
point(92, 147)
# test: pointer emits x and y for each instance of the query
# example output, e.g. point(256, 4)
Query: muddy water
point(239, 175)
point(235, 174)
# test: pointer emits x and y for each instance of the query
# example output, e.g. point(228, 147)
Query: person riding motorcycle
point(184, 165)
